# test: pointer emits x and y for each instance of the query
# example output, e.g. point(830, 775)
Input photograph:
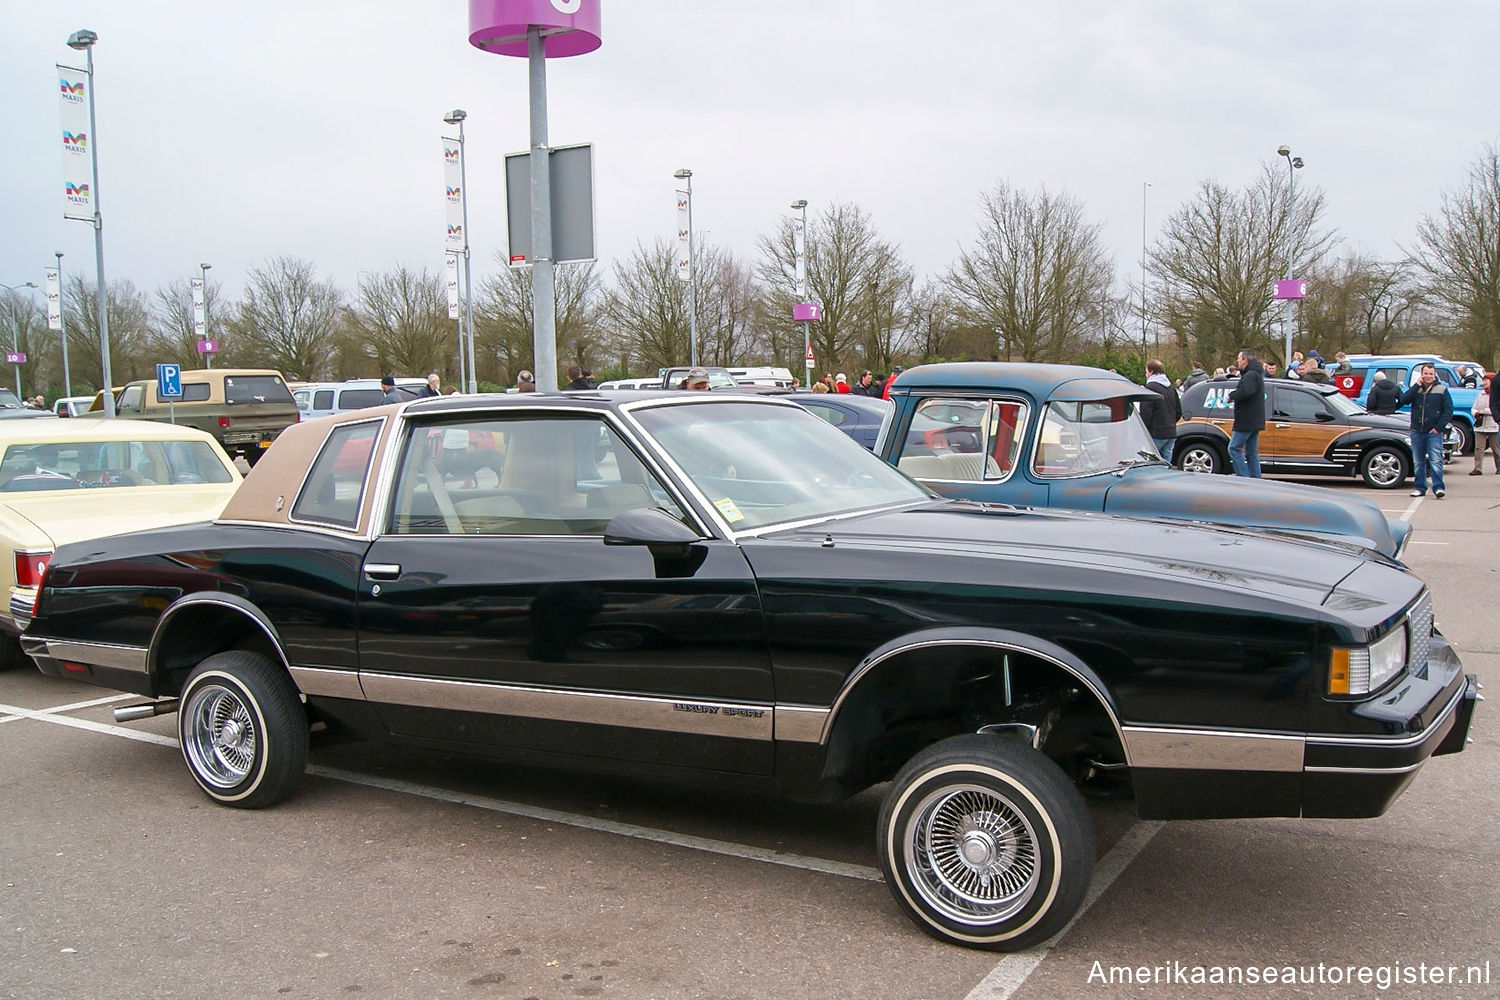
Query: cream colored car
point(74, 480)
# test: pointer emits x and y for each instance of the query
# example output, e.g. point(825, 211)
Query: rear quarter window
point(335, 486)
point(192, 392)
point(255, 389)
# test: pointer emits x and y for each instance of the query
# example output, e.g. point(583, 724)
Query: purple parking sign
point(1291, 288)
point(571, 26)
point(208, 347)
point(15, 358)
point(806, 312)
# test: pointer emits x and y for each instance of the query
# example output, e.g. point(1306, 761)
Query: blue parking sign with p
point(169, 381)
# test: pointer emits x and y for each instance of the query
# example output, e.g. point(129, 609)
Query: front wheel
point(1199, 457)
point(985, 842)
point(244, 731)
point(1384, 467)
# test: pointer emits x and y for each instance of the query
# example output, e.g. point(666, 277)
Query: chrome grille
point(1420, 621)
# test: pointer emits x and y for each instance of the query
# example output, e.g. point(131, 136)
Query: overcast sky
point(231, 133)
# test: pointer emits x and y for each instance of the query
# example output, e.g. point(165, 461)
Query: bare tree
point(1218, 257)
point(130, 353)
point(401, 316)
point(648, 307)
point(860, 279)
point(1036, 275)
point(174, 334)
point(287, 320)
point(1359, 304)
point(23, 327)
point(1458, 257)
point(503, 320)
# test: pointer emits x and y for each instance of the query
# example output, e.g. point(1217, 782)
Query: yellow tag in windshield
point(729, 510)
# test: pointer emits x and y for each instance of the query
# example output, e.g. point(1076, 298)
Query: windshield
point(1084, 439)
point(762, 465)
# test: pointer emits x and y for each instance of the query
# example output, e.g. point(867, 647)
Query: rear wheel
point(985, 842)
point(11, 655)
point(1199, 456)
point(244, 731)
point(1384, 467)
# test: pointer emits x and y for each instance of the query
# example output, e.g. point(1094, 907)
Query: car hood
point(77, 515)
point(1093, 553)
point(1254, 503)
point(1384, 421)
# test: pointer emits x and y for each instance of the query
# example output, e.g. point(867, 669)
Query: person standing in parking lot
point(1249, 399)
point(1161, 414)
point(431, 388)
point(1484, 430)
point(1431, 412)
point(388, 387)
point(1385, 395)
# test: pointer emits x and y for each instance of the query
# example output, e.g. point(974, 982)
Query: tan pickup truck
point(245, 408)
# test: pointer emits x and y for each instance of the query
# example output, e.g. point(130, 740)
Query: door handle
point(1282, 427)
point(382, 571)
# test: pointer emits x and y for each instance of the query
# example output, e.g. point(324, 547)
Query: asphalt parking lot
point(395, 874)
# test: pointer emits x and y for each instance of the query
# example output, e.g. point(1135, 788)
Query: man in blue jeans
point(1431, 412)
point(1249, 399)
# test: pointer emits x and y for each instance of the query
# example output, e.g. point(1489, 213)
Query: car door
point(1300, 427)
point(492, 612)
point(970, 449)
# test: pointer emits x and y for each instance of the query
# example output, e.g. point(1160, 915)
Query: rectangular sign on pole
point(572, 170)
point(169, 381)
point(453, 172)
point(76, 91)
point(799, 254)
point(200, 320)
point(683, 261)
point(54, 298)
point(450, 266)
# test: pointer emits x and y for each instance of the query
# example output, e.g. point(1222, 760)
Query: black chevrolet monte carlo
point(727, 589)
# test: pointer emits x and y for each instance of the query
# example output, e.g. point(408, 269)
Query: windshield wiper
point(1145, 458)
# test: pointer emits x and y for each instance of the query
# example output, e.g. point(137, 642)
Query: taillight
point(223, 421)
point(31, 567)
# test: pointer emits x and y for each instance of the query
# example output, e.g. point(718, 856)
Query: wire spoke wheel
point(973, 853)
point(221, 739)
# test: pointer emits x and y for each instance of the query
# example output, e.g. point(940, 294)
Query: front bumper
point(1360, 776)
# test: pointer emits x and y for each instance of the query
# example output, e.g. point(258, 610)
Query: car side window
point(131, 398)
point(335, 486)
point(1299, 407)
point(832, 415)
point(963, 440)
point(520, 476)
point(192, 392)
point(323, 399)
point(1447, 377)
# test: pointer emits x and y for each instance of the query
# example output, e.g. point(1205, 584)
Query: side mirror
point(651, 527)
point(1325, 416)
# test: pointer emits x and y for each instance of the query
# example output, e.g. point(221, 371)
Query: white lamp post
point(1293, 164)
point(686, 176)
point(466, 346)
point(83, 40)
point(208, 356)
point(801, 205)
point(62, 327)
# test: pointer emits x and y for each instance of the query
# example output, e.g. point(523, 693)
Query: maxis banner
point(451, 268)
point(75, 92)
point(453, 172)
point(53, 284)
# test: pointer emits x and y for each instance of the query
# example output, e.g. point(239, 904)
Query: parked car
point(86, 478)
point(243, 408)
point(324, 399)
point(11, 407)
point(72, 406)
point(1070, 436)
point(1356, 384)
point(860, 417)
point(723, 588)
point(632, 383)
point(1311, 429)
point(763, 375)
point(718, 378)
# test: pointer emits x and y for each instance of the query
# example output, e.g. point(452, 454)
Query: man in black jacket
point(1385, 395)
point(1161, 414)
point(1431, 412)
point(1249, 398)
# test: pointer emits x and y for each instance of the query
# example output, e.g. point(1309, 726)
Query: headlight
point(1363, 669)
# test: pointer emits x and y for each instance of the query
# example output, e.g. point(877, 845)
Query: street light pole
point(208, 357)
point(15, 332)
point(456, 117)
point(1144, 186)
point(686, 176)
point(62, 332)
point(83, 40)
point(1293, 164)
point(801, 205)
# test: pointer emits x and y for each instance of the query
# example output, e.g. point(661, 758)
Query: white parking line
point(1007, 977)
point(823, 865)
point(1411, 508)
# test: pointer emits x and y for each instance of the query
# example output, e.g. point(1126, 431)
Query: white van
point(324, 399)
point(764, 375)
